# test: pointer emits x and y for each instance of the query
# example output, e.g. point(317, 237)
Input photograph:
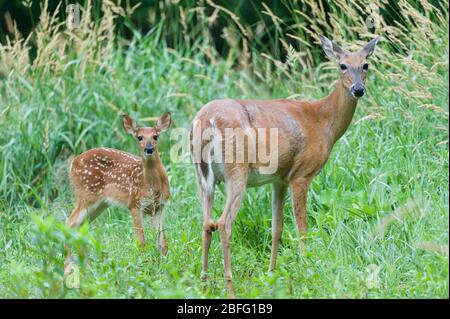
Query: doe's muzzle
point(358, 89)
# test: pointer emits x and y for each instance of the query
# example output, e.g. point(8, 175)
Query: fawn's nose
point(358, 89)
point(148, 150)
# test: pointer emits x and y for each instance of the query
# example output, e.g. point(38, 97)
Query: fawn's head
point(147, 137)
point(353, 65)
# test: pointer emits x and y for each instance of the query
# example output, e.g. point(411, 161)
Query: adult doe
point(307, 132)
point(104, 176)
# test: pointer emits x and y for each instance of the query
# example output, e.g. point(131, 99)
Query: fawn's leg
point(85, 210)
point(77, 216)
point(82, 211)
point(299, 192)
point(235, 189)
point(278, 200)
point(138, 225)
point(157, 221)
point(75, 219)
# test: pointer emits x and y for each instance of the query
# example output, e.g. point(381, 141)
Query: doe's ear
point(331, 49)
point(368, 49)
point(129, 124)
point(164, 122)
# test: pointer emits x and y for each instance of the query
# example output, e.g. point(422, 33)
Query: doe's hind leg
point(235, 188)
point(206, 187)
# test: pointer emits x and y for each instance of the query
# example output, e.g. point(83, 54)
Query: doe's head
point(353, 65)
point(147, 137)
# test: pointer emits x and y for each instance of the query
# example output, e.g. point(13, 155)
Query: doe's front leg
point(278, 200)
point(299, 194)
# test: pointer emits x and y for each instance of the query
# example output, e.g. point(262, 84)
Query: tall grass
point(378, 212)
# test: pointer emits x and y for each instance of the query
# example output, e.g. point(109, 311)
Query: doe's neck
point(338, 109)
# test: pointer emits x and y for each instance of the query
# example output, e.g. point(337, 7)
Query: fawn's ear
point(129, 124)
point(368, 49)
point(163, 122)
point(331, 49)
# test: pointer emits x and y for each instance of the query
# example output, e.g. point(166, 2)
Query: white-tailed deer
point(104, 176)
point(306, 132)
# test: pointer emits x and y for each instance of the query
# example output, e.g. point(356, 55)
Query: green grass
point(394, 157)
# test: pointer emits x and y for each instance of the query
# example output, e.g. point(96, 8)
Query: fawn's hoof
point(68, 269)
point(142, 244)
point(163, 249)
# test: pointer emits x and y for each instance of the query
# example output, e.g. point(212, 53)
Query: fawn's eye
point(155, 137)
point(343, 67)
point(365, 66)
point(140, 138)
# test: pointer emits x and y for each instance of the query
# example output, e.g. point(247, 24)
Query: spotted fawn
point(105, 176)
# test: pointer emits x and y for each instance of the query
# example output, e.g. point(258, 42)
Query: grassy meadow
point(378, 213)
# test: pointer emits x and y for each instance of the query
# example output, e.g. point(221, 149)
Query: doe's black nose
point(358, 89)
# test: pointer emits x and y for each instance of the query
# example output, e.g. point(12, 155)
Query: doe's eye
point(365, 66)
point(343, 67)
point(140, 138)
point(155, 137)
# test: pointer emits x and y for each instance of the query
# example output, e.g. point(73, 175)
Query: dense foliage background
point(262, 22)
point(378, 212)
